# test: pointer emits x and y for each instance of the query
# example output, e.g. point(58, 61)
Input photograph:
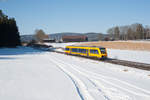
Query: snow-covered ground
point(130, 55)
point(63, 45)
point(29, 74)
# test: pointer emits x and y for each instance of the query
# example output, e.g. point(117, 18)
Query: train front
point(103, 52)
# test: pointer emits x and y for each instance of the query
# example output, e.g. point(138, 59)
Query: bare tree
point(111, 32)
point(117, 33)
point(130, 35)
point(123, 32)
point(40, 35)
point(147, 32)
point(133, 31)
point(139, 32)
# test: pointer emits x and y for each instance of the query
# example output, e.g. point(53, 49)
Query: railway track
point(132, 64)
point(129, 64)
point(138, 65)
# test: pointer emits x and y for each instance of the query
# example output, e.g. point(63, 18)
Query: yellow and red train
point(89, 51)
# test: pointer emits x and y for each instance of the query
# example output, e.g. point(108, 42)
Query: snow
point(139, 41)
point(102, 80)
point(63, 45)
point(130, 55)
point(29, 74)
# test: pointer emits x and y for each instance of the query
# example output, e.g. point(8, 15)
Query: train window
point(91, 51)
point(74, 50)
point(79, 50)
point(83, 50)
point(67, 49)
point(94, 51)
point(103, 51)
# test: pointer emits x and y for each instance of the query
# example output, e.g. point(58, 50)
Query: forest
point(9, 34)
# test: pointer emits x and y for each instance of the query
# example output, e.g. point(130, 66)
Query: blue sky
point(75, 15)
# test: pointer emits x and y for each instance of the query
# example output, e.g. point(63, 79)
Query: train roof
point(86, 46)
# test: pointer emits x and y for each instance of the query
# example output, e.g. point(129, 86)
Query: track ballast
point(132, 64)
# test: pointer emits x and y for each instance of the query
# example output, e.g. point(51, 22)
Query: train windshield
point(103, 51)
point(67, 49)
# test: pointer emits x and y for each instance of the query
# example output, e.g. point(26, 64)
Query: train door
point(87, 52)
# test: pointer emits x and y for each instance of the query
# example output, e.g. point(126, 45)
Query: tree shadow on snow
point(18, 51)
point(7, 58)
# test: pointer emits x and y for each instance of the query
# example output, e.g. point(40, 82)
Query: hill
point(91, 36)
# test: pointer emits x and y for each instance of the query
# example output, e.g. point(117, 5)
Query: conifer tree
point(9, 34)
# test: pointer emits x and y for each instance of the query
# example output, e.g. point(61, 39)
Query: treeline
point(129, 32)
point(9, 34)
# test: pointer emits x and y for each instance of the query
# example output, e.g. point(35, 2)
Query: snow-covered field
point(63, 45)
point(29, 74)
point(130, 55)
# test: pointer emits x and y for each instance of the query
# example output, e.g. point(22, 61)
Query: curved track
point(138, 65)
